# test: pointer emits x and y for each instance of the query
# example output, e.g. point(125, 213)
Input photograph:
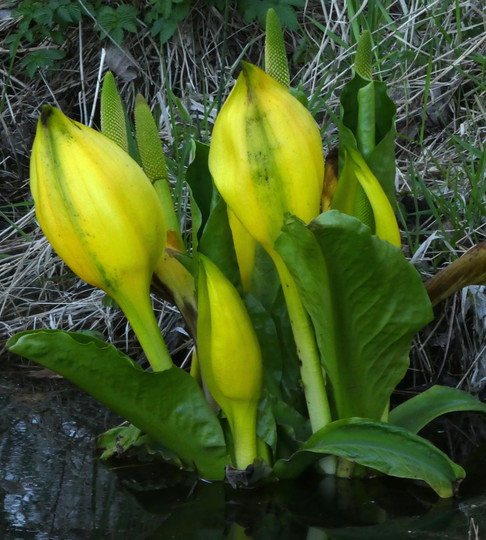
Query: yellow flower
point(229, 357)
point(102, 216)
point(266, 155)
point(356, 172)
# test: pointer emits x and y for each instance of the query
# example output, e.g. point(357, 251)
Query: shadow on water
point(53, 488)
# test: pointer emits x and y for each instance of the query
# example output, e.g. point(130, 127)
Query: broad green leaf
point(275, 332)
point(168, 405)
point(266, 426)
point(269, 345)
point(389, 449)
point(417, 412)
point(216, 242)
point(365, 301)
point(202, 189)
point(362, 103)
point(295, 425)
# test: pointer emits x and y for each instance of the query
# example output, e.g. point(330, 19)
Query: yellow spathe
point(266, 155)
point(102, 215)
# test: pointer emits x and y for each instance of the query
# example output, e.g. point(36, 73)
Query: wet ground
point(52, 487)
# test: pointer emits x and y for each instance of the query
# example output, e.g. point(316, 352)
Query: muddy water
point(52, 487)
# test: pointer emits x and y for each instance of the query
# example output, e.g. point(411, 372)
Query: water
point(52, 487)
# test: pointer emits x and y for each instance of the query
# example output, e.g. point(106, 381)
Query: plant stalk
point(243, 429)
point(138, 310)
point(310, 369)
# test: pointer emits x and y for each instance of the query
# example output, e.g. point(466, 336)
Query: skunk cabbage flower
point(101, 214)
point(346, 199)
point(229, 357)
point(266, 155)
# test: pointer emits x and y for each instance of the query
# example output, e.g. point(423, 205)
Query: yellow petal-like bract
point(229, 356)
point(102, 215)
point(94, 203)
point(266, 155)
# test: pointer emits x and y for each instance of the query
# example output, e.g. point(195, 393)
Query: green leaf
point(365, 301)
point(294, 425)
point(114, 20)
point(267, 307)
point(359, 194)
point(418, 411)
point(216, 242)
point(202, 189)
point(164, 16)
point(129, 439)
point(357, 96)
point(43, 59)
point(385, 448)
point(167, 405)
point(257, 9)
point(269, 345)
point(266, 426)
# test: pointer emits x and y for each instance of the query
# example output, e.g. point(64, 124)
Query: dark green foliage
point(48, 22)
point(164, 16)
point(45, 24)
point(257, 9)
point(41, 60)
point(115, 21)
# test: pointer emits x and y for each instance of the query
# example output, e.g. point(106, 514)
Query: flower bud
point(266, 155)
point(229, 356)
point(101, 214)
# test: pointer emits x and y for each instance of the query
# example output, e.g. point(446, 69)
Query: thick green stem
point(311, 370)
point(138, 310)
point(243, 428)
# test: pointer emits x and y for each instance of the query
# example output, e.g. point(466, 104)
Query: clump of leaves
point(44, 25)
point(257, 9)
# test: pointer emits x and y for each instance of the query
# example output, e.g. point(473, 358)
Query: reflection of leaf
point(197, 512)
point(442, 521)
point(388, 449)
point(167, 405)
point(365, 301)
point(418, 411)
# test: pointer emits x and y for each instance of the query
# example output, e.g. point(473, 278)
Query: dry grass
point(432, 55)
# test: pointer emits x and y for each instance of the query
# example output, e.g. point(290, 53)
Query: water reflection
point(52, 488)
